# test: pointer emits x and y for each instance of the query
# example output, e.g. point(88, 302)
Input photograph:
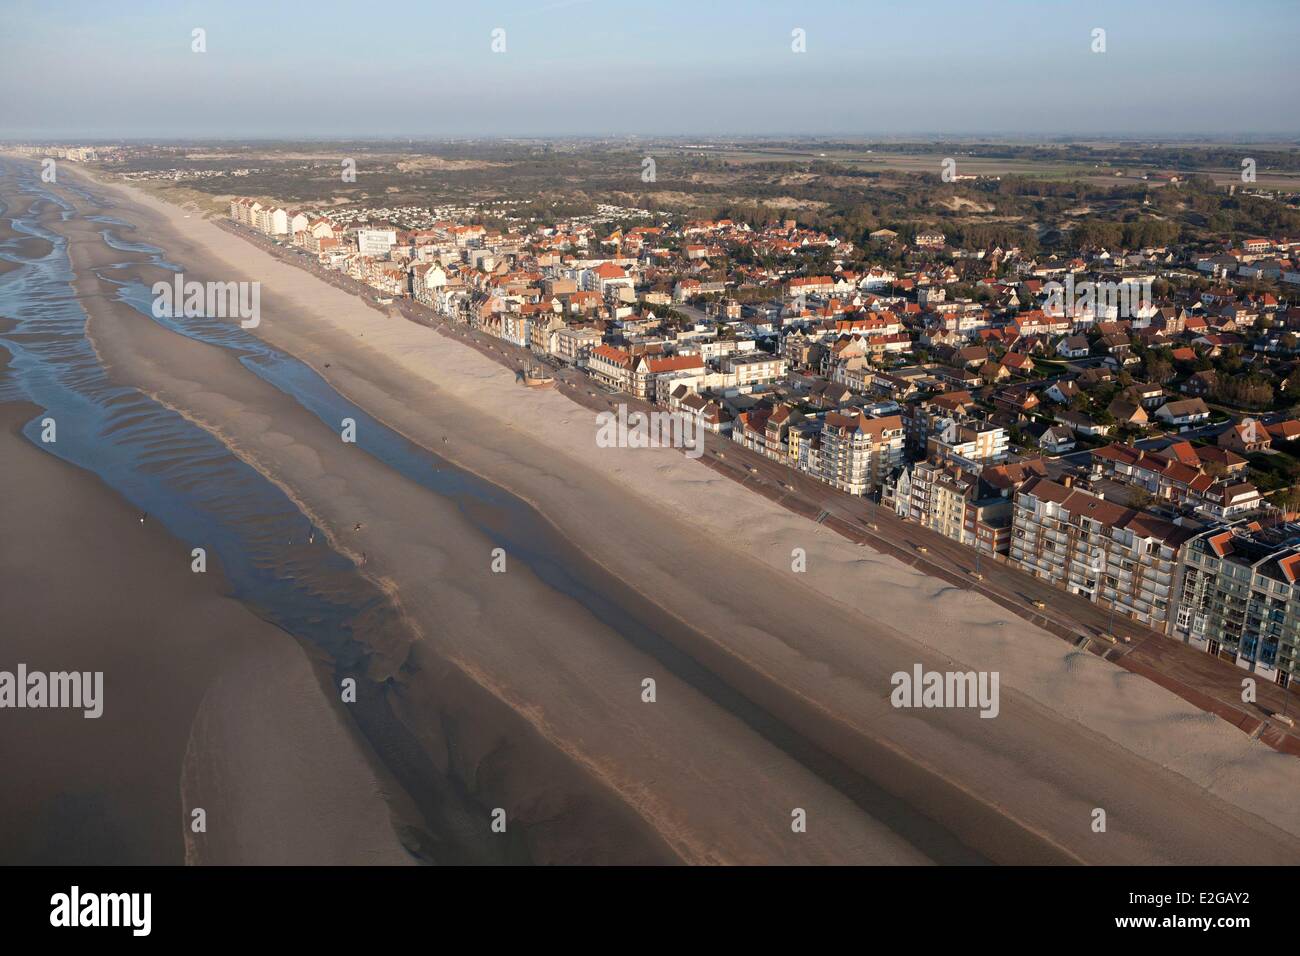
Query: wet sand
point(697, 778)
point(186, 668)
point(815, 649)
point(29, 247)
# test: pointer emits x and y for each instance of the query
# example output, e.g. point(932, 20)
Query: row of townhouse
point(272, 220)
point(1180, 476)
point(652, 377)
point(842, 284)
point(966, 499)
point(707, 413)
point(953, 501)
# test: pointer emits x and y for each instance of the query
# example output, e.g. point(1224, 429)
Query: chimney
point(1067, 481)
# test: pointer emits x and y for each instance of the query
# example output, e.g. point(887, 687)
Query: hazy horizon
point(589, 68)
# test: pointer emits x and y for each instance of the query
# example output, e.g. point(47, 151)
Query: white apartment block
point(857, 452)
point(753, 368)
point(969, 444)
point(376, 242)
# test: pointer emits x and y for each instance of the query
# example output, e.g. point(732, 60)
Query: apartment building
point(1113, 556)
point(610, 366)
point(607, 277)
point(1238, 597)
point(244, 210)
point(849, 449)
point(573, 344)
point(930, 414)
point(279, 222)
point(969, 444)
point(376, 242)
point(544, 327)
point(426, 279)
point(647, 369)
point(856, 452)
point(753, 368)
point(952, 501)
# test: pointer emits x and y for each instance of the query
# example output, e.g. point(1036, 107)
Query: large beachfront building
point(956, 502)
point(376, 242)
point(849, 450)
point(646, 369)
point(610, 366)
point(1113, 556)
point(857, 452)
point(1238, 597)
point(573, 344)
point(971, 445)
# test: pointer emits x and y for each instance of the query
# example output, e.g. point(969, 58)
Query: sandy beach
point(582, 747)
point(814, 651)
point(186, 669)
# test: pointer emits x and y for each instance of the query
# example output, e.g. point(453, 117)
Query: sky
point(109, 69)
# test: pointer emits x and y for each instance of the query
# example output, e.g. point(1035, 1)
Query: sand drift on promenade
point(817, 649)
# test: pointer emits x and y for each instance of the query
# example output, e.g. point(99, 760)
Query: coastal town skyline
point(556, 433)
point(1066, 422)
